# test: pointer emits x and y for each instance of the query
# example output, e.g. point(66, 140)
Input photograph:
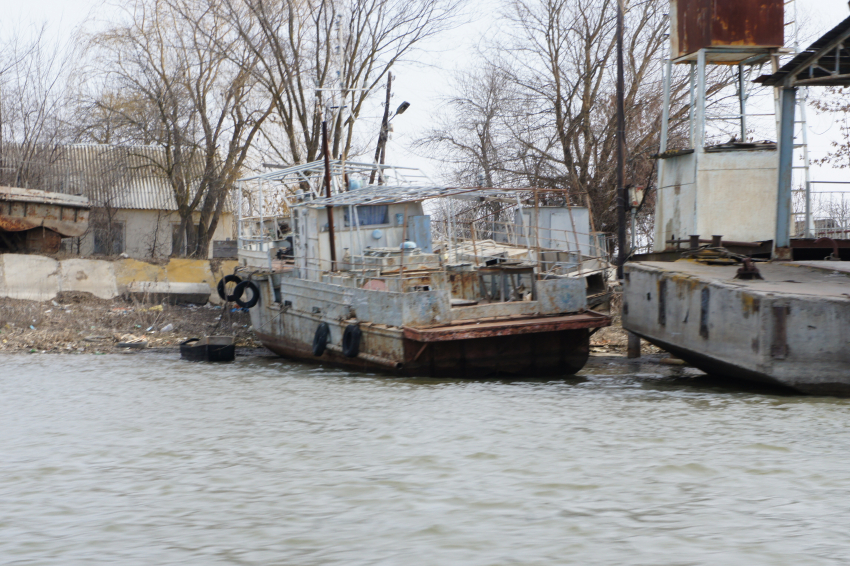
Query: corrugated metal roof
point(130, 177)
point(826, 62)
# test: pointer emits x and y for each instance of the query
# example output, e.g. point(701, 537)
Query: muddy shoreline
point(76, 323)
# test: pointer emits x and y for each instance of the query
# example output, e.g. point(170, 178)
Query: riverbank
point(81, 323)
point(75, 323)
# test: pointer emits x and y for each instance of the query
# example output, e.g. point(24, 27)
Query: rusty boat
point(35, 221)
point(409, 277)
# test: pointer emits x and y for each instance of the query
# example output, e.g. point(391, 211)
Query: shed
point(134, 210)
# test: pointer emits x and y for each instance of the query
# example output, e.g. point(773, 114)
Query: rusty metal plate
point(732, 23)
point(474, 330)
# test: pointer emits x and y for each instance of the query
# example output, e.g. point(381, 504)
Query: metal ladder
point(801, 129)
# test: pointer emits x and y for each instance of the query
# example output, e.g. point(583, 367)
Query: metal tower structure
point(711, 186)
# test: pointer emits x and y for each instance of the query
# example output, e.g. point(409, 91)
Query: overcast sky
point(425, 86)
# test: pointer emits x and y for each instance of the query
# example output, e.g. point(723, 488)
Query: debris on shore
point(80, 323)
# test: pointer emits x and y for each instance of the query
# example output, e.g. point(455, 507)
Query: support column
point(782, 241)
point(699, 117)
point(633, 350)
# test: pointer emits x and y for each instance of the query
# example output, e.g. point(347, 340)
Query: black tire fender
point(351, 340)
point(239, 291)
point(222, 288)
point(320, 339)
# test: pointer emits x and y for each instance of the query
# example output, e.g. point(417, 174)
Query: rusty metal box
point(695, 24)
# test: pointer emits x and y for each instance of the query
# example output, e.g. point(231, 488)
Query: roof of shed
point(826, 62)
point(127, 177)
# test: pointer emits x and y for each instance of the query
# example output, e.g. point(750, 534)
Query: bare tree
point(187, 85)
point(35, 75)
point(321, 59)
point(542, 112)
point(834, 102)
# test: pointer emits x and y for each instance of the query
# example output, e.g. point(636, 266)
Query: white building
point(134, 210)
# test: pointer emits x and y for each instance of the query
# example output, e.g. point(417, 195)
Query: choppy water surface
point(144, 459)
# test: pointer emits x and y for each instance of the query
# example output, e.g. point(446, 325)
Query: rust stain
point(12, 224)
point(714, 23)
point(507, 328)
point(749, 304)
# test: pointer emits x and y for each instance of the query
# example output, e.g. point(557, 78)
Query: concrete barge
point(782, 321)
point(788, 328)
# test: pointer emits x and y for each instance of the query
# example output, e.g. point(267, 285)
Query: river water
point(144, 459)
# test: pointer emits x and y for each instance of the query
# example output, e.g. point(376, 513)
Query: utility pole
point(621, 148)
point(385, 126)
point(633, 350)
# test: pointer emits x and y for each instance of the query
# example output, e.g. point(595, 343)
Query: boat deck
point(812, 278)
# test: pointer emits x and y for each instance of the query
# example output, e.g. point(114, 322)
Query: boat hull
point(545, 354)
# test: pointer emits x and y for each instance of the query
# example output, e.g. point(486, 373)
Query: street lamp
point(380, 151)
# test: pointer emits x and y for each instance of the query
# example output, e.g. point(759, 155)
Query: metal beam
point(665, 109)
point(782, 242)
point(791, 79)
point(699, 117)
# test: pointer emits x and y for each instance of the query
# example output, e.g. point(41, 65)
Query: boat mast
point(328, 193)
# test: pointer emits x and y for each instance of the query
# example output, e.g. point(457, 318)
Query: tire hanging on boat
point(351, 340)
point(222, 289)
point(320, 339)
point(239, 291)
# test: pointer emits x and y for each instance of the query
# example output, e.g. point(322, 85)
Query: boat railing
point(553, 250)
point(830, 212)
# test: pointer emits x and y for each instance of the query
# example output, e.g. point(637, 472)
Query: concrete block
point(131, 270)
point(88, 276)
point(169, 292)
point(181, 270)
point(30, 277)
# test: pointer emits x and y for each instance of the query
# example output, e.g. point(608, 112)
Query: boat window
point(370, 215)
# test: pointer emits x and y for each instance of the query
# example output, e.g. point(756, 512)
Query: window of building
point(109, 238)
point(370, 215)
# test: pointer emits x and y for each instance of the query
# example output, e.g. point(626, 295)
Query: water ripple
point(143, 459)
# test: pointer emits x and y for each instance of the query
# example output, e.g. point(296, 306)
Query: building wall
point(148, 233)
